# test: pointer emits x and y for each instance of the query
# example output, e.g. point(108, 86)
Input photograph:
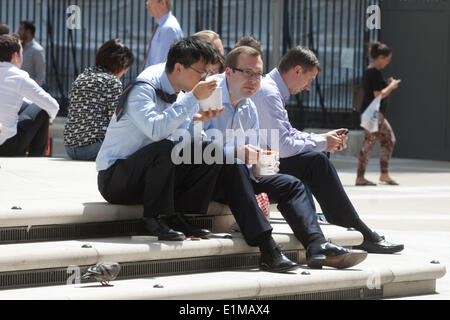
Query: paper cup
point(213, 102)
point(267, 163)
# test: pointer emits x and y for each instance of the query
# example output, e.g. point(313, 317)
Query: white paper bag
point(369, 118)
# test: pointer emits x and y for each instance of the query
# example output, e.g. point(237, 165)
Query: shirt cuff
point(321, 142)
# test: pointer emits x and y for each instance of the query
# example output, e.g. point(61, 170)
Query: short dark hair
point(250, 41)
point(114, 56)
point(29, 25)
point(4, 28)
point(377, 49)
point(188, 51)
point(9, 44)
point(299, 56)
point(232, 57)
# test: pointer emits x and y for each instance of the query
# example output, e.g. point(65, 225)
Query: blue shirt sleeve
point(157, 123)
point(273, 115)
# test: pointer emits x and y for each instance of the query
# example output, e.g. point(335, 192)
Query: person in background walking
point(374, 84)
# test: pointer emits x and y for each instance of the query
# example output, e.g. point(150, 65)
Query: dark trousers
point(237, 188)
point(32, 131)
point(316, 171)
point(149, 177)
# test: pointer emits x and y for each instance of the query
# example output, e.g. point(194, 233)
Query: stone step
point(47, 263)
point(379, 276)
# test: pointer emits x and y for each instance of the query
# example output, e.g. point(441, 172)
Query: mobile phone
point(345, 132)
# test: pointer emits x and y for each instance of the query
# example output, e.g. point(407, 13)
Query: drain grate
point(59, 232)
point(130, 270)
point(69, 231)
point(341, 294)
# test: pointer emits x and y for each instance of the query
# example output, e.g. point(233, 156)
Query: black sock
point(364, 229)
point(265, 241)
point(316, 238)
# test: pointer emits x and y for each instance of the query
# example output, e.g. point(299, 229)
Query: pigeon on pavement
point(103, 272)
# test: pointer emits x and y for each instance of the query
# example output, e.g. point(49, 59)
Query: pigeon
point(103, 272)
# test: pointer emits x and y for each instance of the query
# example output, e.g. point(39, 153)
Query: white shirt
point(15, 85)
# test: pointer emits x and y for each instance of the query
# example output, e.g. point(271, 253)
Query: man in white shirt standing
point(33, 53)
point(24, 121)
point(165, 32)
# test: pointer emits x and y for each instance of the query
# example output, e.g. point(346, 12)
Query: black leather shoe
point(274, 260)
point(156, 227)
point(331, 255)
point(178, 222)
point(380, 245)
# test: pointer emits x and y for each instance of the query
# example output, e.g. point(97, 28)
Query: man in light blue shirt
point(240, 81)
point(33, 53)
point(135, 161)
point(301, 153)
point(167, 31)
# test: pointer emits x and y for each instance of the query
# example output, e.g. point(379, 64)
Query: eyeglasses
point(250, 74)
point(202, 74)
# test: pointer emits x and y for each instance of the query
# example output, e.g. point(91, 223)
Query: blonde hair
point(209, 36)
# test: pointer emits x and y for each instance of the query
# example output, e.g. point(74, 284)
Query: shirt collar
point(29, 44)
point(7, 65)
point(164, 18)
point(276, 76)
point(226, 94)
point(165, 83)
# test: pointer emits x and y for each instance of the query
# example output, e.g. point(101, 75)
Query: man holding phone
point(301, 153)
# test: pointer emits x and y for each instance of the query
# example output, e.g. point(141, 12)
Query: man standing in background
point(165, 32)
point(33, 53)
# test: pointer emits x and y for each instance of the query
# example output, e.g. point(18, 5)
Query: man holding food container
point(239, 122)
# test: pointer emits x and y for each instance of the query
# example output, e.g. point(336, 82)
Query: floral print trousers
point(386, 137)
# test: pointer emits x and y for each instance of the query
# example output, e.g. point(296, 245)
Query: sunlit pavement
point(416, 213)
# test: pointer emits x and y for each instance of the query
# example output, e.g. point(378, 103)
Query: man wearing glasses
point(134, 163)
point(301, 152)
point(240, 81)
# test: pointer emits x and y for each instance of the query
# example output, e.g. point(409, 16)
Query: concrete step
point(41, 193)
point(45, 263)
point(379, 276)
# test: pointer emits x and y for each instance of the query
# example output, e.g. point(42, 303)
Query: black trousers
point(32, 131)
point(316, 171)
point(149, 177)
point(237, 188)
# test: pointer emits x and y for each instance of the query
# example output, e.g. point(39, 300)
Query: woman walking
point(374, 84)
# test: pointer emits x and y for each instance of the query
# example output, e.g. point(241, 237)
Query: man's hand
point(205, 116)
point(248, 154)
point(204, 89)
point(336, 140)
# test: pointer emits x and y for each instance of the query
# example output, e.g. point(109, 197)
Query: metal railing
point(334, 29)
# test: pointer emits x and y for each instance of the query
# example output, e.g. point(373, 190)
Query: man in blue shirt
point(165, 32)
point(301, 152)
point(239, 82)
point(135, 161)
